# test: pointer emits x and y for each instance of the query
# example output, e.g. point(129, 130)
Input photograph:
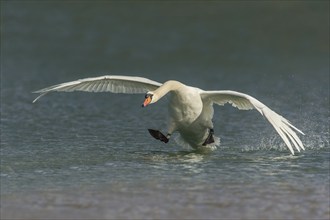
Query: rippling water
point(79, 155)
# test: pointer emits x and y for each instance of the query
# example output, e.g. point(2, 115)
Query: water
point(79, 155)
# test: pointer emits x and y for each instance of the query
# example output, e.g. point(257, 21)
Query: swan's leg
point(209, 139)
point(159, 135)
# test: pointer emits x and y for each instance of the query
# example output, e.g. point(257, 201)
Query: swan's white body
point(189, 116)
point(190, 108)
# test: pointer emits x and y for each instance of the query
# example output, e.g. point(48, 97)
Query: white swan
point(190, 108)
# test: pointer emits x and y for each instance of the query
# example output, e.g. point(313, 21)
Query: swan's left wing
point(245, 102)
point(114, 84)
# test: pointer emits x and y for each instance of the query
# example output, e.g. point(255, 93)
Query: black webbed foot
point(209, 139)
point(158, 135)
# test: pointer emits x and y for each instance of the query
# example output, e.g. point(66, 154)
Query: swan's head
point(148, 99)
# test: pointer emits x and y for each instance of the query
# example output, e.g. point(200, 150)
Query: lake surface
point(83, 155)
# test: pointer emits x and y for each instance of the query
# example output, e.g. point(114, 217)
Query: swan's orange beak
point(146, 101)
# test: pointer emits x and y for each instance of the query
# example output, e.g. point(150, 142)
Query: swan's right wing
point(245, 102)
point(114, 84)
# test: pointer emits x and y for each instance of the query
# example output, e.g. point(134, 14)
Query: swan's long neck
point(167, 87)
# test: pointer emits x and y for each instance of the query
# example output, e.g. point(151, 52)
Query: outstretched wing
point(245, 102)
point(114, 84)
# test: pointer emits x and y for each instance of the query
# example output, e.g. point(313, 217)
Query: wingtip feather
point(36, 99)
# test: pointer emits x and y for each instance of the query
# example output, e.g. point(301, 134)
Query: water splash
point(314, 142)
point(207, 148)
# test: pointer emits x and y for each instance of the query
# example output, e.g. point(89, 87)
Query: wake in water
point(208, 148)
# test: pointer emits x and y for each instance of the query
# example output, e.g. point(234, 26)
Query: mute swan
point(190, 108)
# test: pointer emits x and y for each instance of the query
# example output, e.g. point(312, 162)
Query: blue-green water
point(81, 155)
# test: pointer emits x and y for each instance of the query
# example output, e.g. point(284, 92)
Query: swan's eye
point(148, 95)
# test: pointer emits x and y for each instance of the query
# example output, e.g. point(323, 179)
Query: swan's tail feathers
point(158, 135)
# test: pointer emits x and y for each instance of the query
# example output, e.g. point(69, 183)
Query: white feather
point(243, 101)
point(114, 84)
